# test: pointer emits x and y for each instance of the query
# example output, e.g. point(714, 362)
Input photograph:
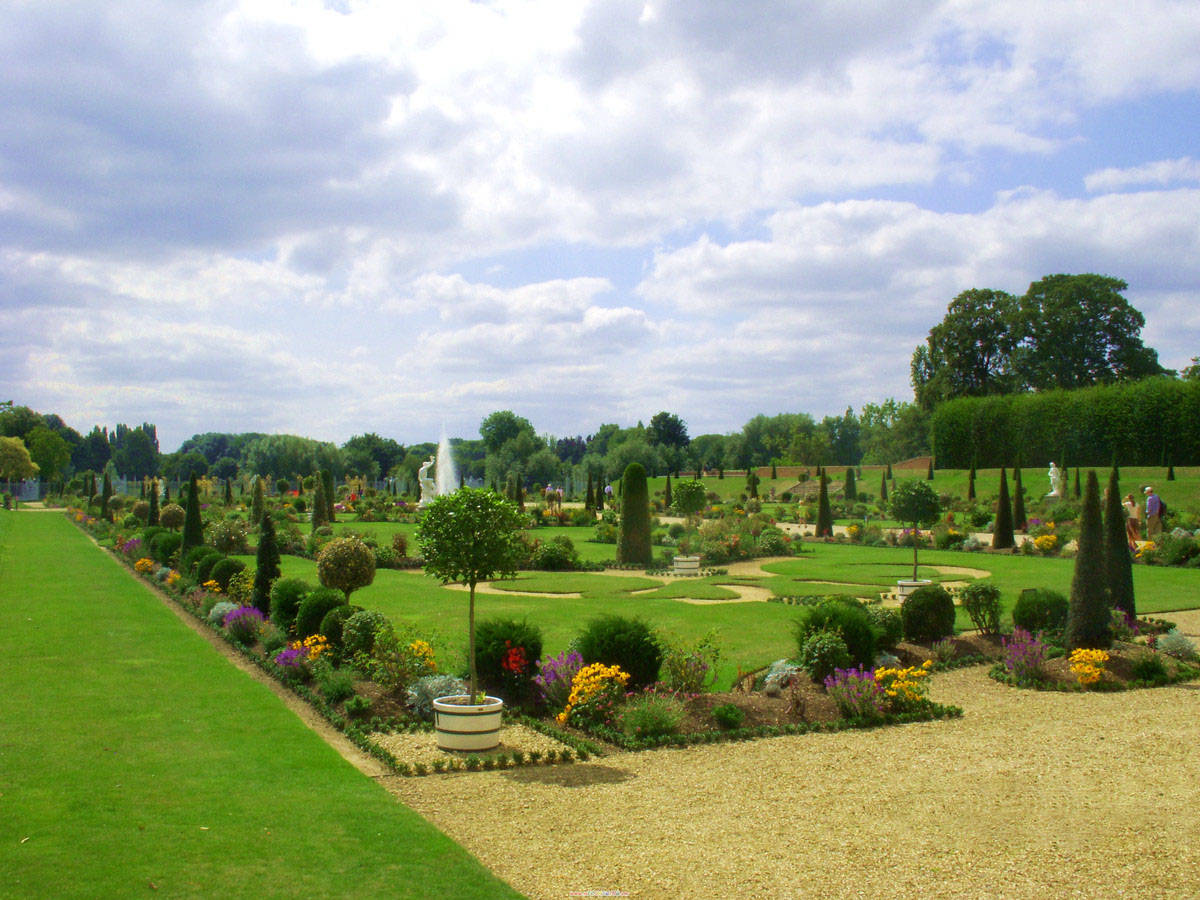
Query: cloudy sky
point(331, 218)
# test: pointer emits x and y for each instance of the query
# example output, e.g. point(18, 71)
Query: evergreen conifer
point(1077, 491)
point(824, 513)
point(257, 502)
point(971, 482)
point(266, 565)
point(105, 496)
point(850, 490)
point(633, 535)
point(890, 476)
point(1002, 531)
point(774, 471)
point(1020, 519)
point(152, 516)
point(1118, 564)
point(883, 497)
point(142, 494)
point(1170, 472)
point(1089, 621)
point(600, 493)
point(667, 499)
point(193, 527)
point(929, 474)
point(166, 491)
point(330, 496)
point(320, 509)
point(752, 483)
point(720, 472)
point(589, 501)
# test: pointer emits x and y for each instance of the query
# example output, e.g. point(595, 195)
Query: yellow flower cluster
point(1088, 665)
point(212, 586)
point(145, 565)
point(424, 654)
point(173, 578)
point(904, 687)
point(314, 645)
point(590, 681)
point(852, 531)
point(1145, 549)
point(1045, 543)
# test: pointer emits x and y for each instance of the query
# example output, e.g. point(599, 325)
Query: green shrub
point(313, 609)
point(927, 614)
point(727, 716)
point(165, 546)
point(204, 566)
point(358, 633)
point(652, 715)
point(187, 563)
point(981, 600)
point(889, 627)
point(334, 622)
point(506, 655)
point(273, 639)
point(358, 706)
point(1040, 609)
point(228, 536)
point(1175, 644)
point(131, 521)
point(336, 684)
point(822, 653)
point(422, 692)
point(848, 618)
point(225, 569)
point(628, 643)
point(773, 542)
point(1148, 666)
point(555, 555)
point(220, 609)
point(346, 564)
point(171, 517)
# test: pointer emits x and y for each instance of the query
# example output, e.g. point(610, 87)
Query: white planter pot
point(904, 588)
point(461, 725)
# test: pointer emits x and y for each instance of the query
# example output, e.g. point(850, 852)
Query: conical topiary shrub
point(1118, 564)
point(850, 489)
point(1002, 531)
point(1089, 621)
point(633, 535)
point(824, 513)
point(971, 483)
point(1020, 519)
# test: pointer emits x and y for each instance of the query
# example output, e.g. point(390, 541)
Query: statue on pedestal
point(1056, 481)
point(429, 488)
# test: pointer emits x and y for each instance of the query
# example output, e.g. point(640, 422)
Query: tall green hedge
point(1141, 423)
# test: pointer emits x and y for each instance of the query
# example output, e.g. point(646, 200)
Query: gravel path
point(1028, 795)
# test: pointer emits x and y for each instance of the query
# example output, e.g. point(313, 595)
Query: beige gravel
point(1028, 795)
point(421, 746)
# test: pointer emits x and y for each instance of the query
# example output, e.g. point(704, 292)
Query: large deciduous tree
point(968, 354)
point(49, 451)
point(15, 461)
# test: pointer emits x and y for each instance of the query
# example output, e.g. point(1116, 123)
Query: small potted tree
point(467, 537)
point(914, 503)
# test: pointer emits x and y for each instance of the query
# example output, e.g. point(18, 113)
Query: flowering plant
point(145, 565)
point(1088, 665)
point(596, 690)
point(243, 624)
point(856, 693)
point(906, 688)
point(212, 586)
point(131, 546)
point(1024, 655)
point(514, 660)
point(1046, 544)
point(555, 675)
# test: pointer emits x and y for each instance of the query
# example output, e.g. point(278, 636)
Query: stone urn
point(904, 587)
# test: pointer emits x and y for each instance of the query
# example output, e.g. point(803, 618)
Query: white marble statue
point(1056, 481)
point(429, 488)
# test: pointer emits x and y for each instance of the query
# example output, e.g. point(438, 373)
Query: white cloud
point(1162, 172)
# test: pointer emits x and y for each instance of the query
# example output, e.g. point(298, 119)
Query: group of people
point(1133, 520)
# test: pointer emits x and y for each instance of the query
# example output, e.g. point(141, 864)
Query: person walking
point(1133, 521)
point(1153, 514)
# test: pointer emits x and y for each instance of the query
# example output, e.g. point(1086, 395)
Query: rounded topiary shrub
point(204, 566)
point(506, 655)
point(333, 623)
point(171, 516)
point(628, 643)
point(313, 608)
point(346, 564)
point(187, 564)
point(224, 569)
point(555, 555)
point(141, 509)
point(286, 596)
point(848, 618)
point(823, 652)
point(927, 614)
point(164, 546)
point(358, 634)
point(1040, 610)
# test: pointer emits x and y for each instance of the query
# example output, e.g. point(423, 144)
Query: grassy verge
point(134, 758)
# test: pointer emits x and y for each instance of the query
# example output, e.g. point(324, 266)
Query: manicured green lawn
point(134, 758)
point(750, 634)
